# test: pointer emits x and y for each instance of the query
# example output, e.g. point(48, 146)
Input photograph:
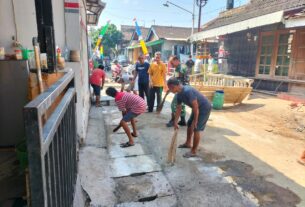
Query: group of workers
point(151, 81)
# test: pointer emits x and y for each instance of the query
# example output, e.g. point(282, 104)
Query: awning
point(148, 44)
point(295, 18)
point(267, 19)
point(94, 10)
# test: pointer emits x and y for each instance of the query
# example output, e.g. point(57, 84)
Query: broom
point(159, 109)
point(171, 156)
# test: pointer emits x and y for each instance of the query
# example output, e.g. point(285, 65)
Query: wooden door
point(298, 63)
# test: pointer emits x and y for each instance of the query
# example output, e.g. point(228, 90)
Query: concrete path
point(115, 176)
point(224, 174)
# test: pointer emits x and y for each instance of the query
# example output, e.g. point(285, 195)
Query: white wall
point(59, 22)
point(66, 26)
point(76, 34)
point(26, 26)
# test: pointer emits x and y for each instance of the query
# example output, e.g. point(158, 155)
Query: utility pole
point(200, 4)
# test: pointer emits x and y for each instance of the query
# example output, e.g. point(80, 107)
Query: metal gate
point(51, 143)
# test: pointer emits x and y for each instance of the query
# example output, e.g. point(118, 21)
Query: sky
point(149, 12)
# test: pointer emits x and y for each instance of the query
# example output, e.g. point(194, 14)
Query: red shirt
point(97, 77)
point(130, 102)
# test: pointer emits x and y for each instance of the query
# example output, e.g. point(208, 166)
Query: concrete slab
point(96, 133)
point(115, 121)
point(118, 138)
point(121, 167)
point(96, 113)
point(115, 151)
point(143, 187)
point(94, 175)
point(168, 201)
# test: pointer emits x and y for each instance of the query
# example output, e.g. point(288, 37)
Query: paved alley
point(224, 174)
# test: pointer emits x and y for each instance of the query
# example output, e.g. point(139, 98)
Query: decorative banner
point(100, 37)
point(101, 52)
point(139, 33)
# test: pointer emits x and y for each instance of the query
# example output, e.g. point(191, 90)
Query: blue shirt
point(189, 94)
point(142, 70)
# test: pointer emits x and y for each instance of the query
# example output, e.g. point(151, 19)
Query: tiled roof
point(253, 9)
point(169, 32)
point(144, 31)
point(128, 31)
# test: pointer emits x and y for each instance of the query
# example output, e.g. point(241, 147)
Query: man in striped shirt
point(131, 106)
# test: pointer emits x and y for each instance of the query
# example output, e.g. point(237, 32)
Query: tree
point(111, 38)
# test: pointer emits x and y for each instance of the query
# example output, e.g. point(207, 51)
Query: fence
point(51, 143)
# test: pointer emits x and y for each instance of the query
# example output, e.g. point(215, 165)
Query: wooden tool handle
point(37, 61)
point(171, 156)
point(159, 109)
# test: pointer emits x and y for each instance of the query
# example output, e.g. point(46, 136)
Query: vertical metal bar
point(68, 158)
point(60, 157)
point(53, 174)
point(66, 149)
point(74, 138)
point(48, 179)
point(57, 167)
point(36, 163)
point(69, 141)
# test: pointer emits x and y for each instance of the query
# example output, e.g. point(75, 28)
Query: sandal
point(189, 155)
point(183, 146)
point(127, 144)
point(132, 134)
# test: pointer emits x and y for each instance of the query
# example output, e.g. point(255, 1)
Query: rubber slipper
point(127, 144)
point(301, 162)
point(132, 134)
point(183, 146)
point(189, 155)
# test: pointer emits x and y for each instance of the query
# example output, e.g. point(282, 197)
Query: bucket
point(22, 155)
point(218, 100)
point(25, 54)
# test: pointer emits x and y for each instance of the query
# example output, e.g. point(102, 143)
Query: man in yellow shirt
point(157, 80)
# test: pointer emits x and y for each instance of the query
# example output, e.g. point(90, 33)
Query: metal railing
point(51, 145)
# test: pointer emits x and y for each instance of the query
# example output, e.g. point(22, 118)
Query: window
point(283, 55)
point(266, 54)
point(275, 53)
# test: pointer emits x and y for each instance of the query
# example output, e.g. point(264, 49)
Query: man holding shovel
point(201, 109)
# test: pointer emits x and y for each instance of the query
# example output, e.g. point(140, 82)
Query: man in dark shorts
point(97, 80)
point(131, 106)
point(141, 72)
point(201, 109)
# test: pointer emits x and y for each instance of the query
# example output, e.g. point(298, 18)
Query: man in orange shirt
point(157, 80)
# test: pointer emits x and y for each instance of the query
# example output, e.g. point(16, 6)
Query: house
point(60, 112)
point(133, 48)
point(263, 39)
point(168, 40)
point(127, 31)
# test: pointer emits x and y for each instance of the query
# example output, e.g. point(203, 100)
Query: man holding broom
point(201, 109)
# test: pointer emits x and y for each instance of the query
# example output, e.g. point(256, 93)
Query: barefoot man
point(131, 106)
point(201, 109)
